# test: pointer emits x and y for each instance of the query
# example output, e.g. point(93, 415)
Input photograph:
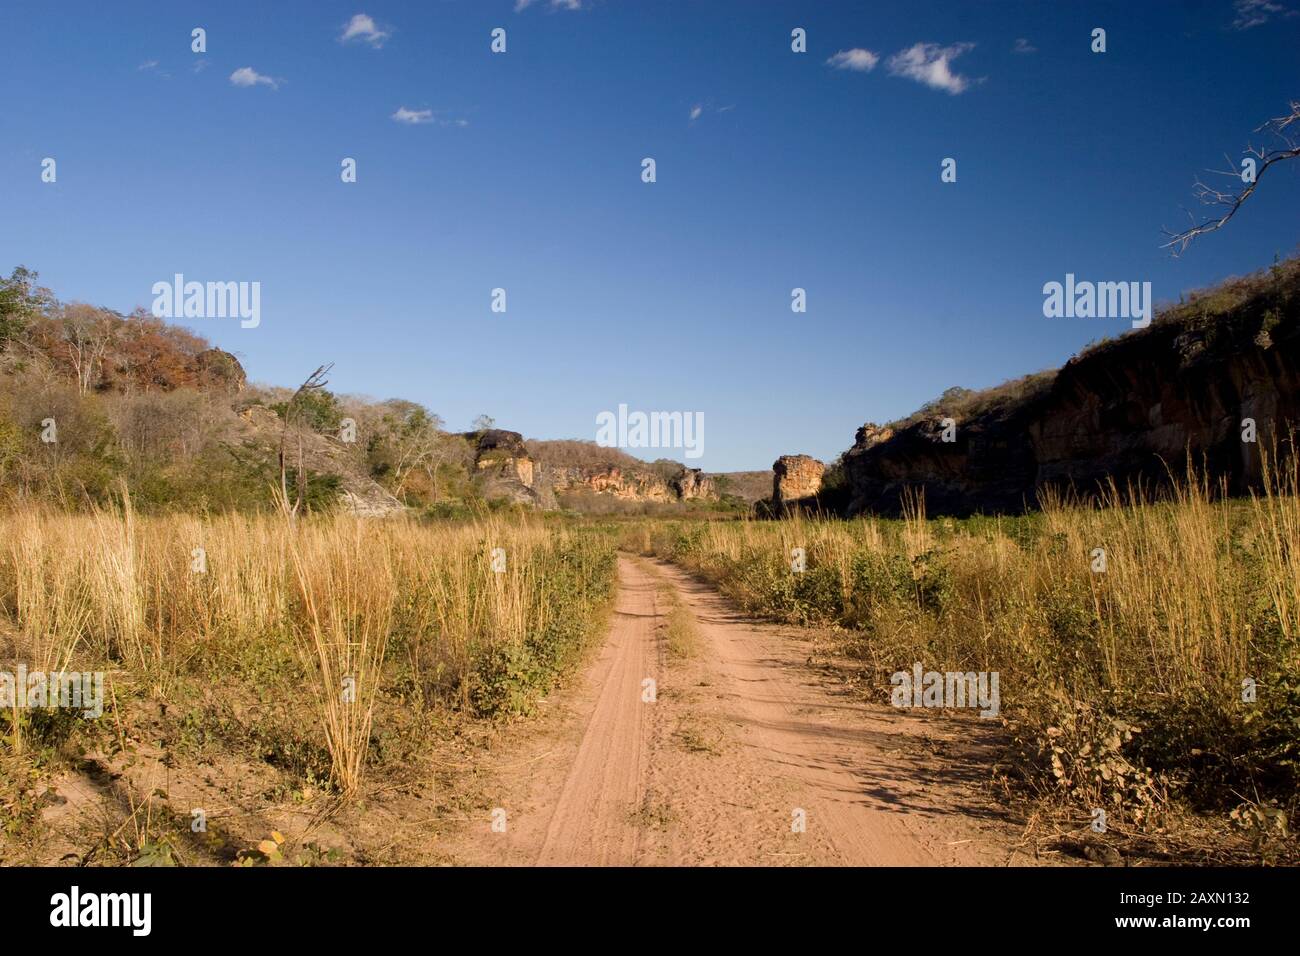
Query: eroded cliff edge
point(1128, 409)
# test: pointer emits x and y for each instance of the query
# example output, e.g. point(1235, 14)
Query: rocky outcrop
point(693, 485)
point(259, 436)
point(503, 454)
point(795, 478)
point(665, 486)
point(505, 469)
point(1128, 410)
point(615, 481)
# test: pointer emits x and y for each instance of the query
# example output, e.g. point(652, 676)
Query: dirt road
point(738, 753)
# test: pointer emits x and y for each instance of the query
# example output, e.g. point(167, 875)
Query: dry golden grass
point(157, 600)
point(1199, 597)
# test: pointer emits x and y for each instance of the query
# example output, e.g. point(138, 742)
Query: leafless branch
point(315, 380)
point(1228, 202)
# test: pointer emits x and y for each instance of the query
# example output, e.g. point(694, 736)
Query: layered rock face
point(1128, 410)
point(795, 478)
point(505, 467)
point(693, 485)
point(627, 485)
point(504, 453)
point(507, 470)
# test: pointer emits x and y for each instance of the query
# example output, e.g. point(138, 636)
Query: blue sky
point(775, 170)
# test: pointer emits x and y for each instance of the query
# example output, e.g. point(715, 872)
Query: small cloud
point(1023, 46)
point(403, 115)
point(521, 5)
point(200, 65)
point(699, 109)
point(857, 59)
point(151, 66)
point(1254, 13)
point(362, 27)
point(931, 64)
point(460, 122)
point(247, 76)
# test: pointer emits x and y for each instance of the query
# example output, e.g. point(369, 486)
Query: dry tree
point(315, 381)
point(1257, 162)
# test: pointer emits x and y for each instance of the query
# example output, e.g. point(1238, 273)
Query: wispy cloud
point(553, 4)
point(857, 59)
point(931, 64)
point(363, 28)
point(421, 117)
point(700, 110)
point(151, 66)
point(200, 65)
point(247, 76)
point(1023, 46)
point(1254, 13)
point(403, 115)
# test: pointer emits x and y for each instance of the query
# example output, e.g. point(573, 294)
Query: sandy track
point(593, 820)
point(743, 740)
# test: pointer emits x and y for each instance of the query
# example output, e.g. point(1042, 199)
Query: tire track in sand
point(742, 734)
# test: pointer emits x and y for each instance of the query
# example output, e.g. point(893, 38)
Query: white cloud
point(147, 65)
point(362, 27)
point(931, 64)
point(857, 59)
point(247, 76)
point(1254, 13)
point(1024, 46)
point(553, 4)
point(403, 115)
point(696, 112)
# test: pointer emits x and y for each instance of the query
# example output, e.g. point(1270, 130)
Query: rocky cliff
point(1207, 377)
point(509, 469)
point(795, 478)
point(504, 467)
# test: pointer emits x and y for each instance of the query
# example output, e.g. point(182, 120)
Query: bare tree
point(315, 381)
point(1229, 201)
point(87, 333)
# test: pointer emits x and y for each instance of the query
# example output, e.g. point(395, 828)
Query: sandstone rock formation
point(1129, 409)
point(505, 468)
point(615, 481)
point(578, 469)
point(503, 453)
point(795, 478)
point(693, 485)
